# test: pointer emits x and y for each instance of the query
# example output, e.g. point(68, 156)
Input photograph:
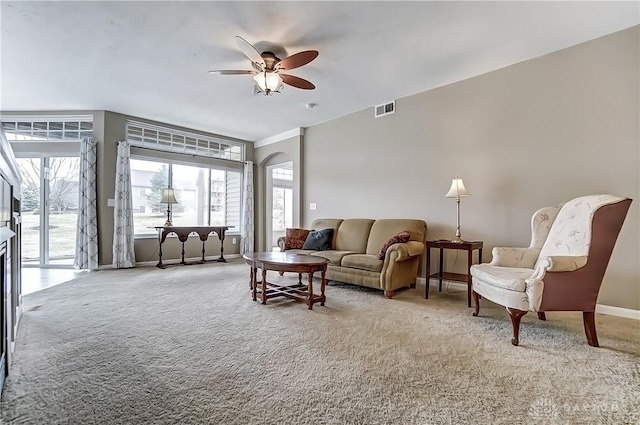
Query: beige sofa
point(355, 245)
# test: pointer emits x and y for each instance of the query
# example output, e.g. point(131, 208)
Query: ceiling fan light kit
point(267, 68)
point(268, 82)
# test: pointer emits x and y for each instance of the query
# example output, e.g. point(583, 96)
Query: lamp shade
point(457, 189)
point(168, 196)
point(268, 81)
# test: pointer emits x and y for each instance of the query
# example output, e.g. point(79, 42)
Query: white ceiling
point(150, 59)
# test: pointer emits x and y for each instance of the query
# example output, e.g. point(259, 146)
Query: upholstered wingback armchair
point(563, 267)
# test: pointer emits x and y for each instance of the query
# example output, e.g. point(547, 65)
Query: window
point(204, 171)
point(170, 140)
point(205, 195)
point(281, 173)
point(47, 149)
point(282, 197)
point(34, 129)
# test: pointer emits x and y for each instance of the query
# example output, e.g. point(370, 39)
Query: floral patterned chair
point(563, 267)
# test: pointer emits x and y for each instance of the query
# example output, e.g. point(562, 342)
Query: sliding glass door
point(49, 210)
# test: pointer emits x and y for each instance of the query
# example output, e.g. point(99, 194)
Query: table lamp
point(457, 191)
point(168, 197)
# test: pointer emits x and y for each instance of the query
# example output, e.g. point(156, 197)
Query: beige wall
point(275, 153)
point(530, 135)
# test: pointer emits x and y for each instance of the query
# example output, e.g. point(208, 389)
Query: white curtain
point(123, 253)
point(246, 228)
point(86, 256)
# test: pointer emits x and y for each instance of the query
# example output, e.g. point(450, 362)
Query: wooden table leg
point(264, 284)
point(254, 282)
point(310, 292)
point(469, 262)
point(323, 284)
point(160, 265)
point(428, 267)
point(440, 267)
point(221, 235)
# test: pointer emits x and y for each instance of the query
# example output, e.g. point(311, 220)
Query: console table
point(183, 233)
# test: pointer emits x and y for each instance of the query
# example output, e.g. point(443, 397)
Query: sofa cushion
point(511, 278)
point(319, 240)
point(353, 235)
point(383, 229)
point(294, 238)
point(401, 237)
point(334, 257)
point(363, 262)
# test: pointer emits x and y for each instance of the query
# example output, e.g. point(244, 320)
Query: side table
point(441, 275)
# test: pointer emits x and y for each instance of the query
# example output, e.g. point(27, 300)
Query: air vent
point(384, 109)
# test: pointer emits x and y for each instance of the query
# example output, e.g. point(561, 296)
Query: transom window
point(33, 129)
point(282, 174)
point(170, 140)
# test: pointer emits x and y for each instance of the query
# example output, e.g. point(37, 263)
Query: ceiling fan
point(267, 68)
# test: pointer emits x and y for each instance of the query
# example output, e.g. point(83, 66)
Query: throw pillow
point(294, 238)
point(319, 240)
point(401, 237)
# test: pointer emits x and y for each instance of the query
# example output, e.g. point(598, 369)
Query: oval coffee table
point(286, 262)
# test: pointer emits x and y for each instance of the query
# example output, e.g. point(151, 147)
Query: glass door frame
point(270, 185)
point(45, 212)
point(45, 223)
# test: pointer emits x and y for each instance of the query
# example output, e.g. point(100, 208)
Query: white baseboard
point(18, 317)
point(600, 308)
point(450, 283)
point(618, 311)
point(15, 327)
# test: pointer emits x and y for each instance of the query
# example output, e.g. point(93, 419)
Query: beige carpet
point(186, 345)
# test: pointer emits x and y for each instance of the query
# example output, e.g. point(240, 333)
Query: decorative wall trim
point(600, 308)
point(279, 137)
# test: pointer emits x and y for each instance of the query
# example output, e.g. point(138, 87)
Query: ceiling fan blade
point(298, 59)
point(298, 82)
point(249, 51)
point(230, 72)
